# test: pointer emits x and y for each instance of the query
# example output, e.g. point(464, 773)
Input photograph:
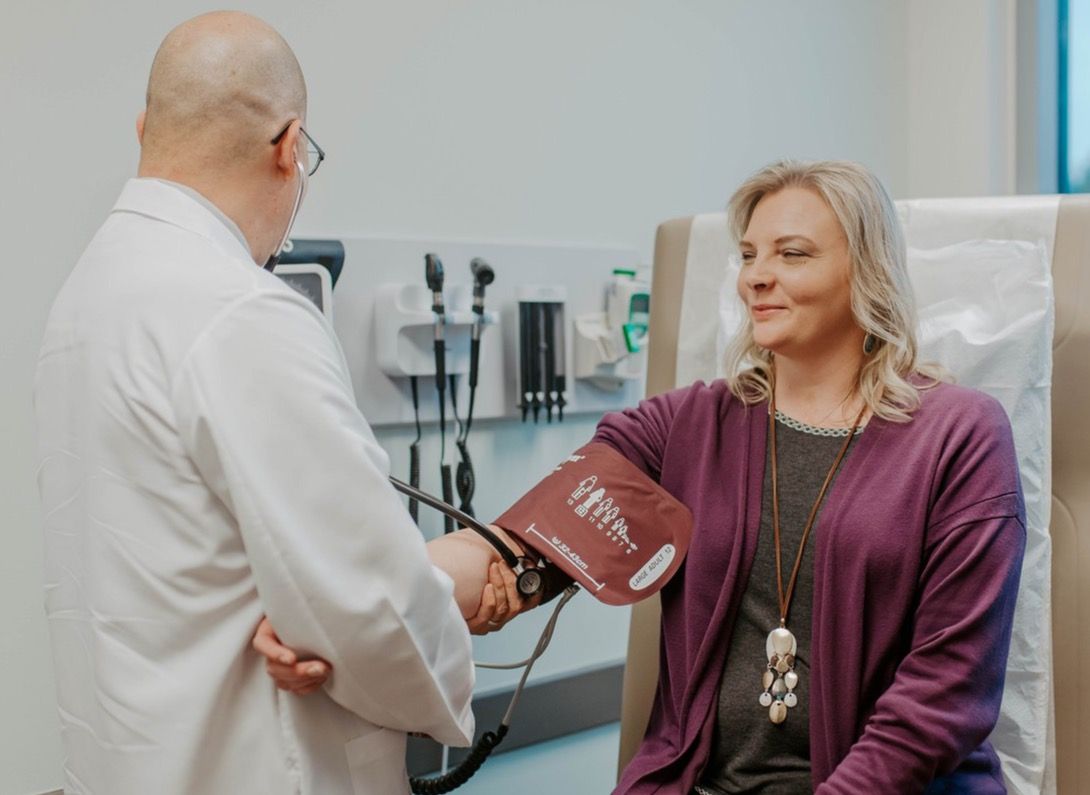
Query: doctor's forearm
point(465, 557)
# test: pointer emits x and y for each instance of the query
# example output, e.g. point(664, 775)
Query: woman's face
point(796, 276)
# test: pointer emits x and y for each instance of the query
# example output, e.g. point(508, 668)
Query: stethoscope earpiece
point(285, 241)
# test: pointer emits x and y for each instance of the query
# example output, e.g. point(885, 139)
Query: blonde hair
point(882, 300)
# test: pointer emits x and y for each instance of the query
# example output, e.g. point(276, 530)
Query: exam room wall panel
point(510, 119)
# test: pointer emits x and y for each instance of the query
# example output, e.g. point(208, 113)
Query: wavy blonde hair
point(882, 299)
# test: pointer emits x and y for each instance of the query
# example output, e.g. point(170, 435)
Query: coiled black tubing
point(448, 782)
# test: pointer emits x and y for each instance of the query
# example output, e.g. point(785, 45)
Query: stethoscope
point(272, 261)
point(528, 575)
point(529, 582)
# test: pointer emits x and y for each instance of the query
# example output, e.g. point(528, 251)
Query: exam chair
point(670, 358)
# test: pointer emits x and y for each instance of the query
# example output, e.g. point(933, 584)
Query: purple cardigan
point(918, 554)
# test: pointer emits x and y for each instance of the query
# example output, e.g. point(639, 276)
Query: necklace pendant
point(779, 679)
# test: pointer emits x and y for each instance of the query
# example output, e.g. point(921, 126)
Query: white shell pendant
point(777, 713)
point(779, 679)
point(780, 642)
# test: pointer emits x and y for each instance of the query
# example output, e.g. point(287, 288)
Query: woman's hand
point(283, 665)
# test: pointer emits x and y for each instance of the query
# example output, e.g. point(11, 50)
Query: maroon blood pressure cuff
point(605, 524)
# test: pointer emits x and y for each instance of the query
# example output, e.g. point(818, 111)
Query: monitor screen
point(307, 284)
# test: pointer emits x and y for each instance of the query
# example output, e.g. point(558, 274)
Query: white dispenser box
point(405, 329)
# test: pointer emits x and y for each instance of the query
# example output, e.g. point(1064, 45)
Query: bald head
point(221, 86)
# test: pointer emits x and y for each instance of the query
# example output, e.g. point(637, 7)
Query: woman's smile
point(766, 311)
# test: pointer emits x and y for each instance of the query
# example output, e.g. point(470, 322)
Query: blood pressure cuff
point(605, 524)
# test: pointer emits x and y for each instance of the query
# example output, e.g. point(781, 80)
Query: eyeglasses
point(315, 154)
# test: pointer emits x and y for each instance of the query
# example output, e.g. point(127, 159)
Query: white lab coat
point(202, 462)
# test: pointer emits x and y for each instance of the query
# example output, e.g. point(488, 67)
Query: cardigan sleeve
point(945, 695)
point(640, 434)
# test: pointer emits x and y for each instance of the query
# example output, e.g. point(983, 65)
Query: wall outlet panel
point(583, 272)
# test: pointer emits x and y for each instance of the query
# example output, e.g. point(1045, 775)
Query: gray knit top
point(752, 754)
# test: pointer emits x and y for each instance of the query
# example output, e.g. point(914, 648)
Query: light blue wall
point(579, 764)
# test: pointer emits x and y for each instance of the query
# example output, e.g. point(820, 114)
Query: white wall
point(962, 114)
point(551, 121)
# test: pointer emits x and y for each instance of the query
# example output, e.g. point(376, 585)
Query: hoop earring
point(870, 342)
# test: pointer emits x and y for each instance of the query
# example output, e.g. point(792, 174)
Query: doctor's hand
point(284, 666)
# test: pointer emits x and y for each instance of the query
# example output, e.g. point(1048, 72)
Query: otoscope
point(433, 275)
point(465, 478)
point(483, 275)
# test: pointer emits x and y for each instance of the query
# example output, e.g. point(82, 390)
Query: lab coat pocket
point(376, 762)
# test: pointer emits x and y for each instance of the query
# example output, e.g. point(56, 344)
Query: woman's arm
point(944, 699)
point(640, 434)
point(945, 696)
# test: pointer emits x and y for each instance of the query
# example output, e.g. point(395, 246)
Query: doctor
point(202, 462)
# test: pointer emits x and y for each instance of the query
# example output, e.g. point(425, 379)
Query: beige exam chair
point(1070, 517)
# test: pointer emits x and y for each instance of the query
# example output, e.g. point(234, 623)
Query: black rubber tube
point(448, 782)
point(448, 495)
point(509, 557)
point(414, 479)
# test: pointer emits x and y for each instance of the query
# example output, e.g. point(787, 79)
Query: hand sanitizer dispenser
point(611, 346)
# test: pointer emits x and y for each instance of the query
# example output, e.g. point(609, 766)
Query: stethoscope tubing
point(489, 740)
point(509, 557)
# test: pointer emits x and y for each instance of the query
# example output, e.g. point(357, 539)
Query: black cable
point(559, 360)
point(433, 275)
point(469, 414)
point(465, 480)
point(444, 467)
point(549, 356)
point(414, 452)
point(525, 397)
point(483, 275)
point(452, 379)
point(535, 360)
point(465, 477)
point(464, 772)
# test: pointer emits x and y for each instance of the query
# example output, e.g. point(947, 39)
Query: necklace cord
point(785, 599)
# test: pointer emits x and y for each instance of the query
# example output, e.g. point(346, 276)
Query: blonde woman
point(842, 621)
